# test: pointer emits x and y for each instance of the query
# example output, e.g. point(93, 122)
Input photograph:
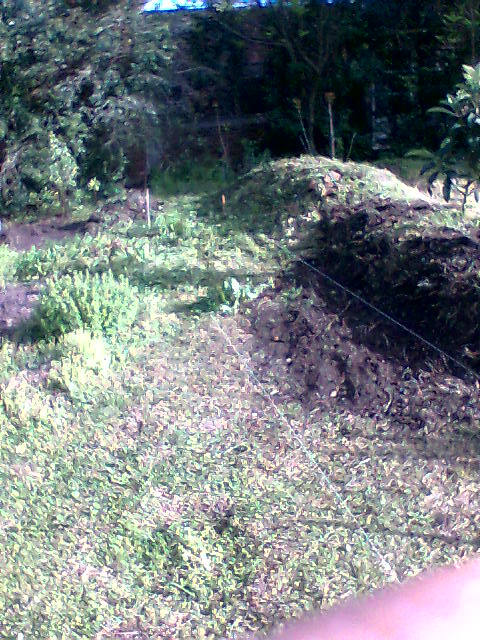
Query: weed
point(232, 293)
point(83, 301)
point(80, 254)
point(7, 262)
point(82, 366)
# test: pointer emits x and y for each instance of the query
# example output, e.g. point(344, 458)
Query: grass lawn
point(155, 483)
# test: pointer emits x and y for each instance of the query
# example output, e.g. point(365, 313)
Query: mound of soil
point(426, 277)
point(327, 349)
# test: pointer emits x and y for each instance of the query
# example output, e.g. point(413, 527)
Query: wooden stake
point(149, 220)
point(330, 97)
point(147, 205)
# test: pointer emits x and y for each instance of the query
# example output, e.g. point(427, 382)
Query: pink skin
point(444, 605)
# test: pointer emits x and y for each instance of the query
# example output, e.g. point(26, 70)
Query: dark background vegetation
point(96, 95)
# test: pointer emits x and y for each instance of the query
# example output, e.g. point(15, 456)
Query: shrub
point(457, 162)
point(40, 175)
point(99, 302)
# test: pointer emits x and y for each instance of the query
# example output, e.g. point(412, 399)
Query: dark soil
point(23, 236)
point(16, 306)
point(328, 349)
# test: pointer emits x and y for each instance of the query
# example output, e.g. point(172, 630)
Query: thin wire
point(379, 311)
point(387, 568)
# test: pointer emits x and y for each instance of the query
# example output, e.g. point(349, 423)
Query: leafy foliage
point(457, 161)
point(231, 293)
point(461, 28)
point(82, 86)
point(81, 367)
point(99, 302)
point(279, 60)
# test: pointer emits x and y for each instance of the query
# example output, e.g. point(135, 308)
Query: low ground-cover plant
point(226, 296)
point(173, 225)
point(232, 293)
point(82, 253)
point(81, 367)
point(7, 261)
point(124, 250)
point(99, 302)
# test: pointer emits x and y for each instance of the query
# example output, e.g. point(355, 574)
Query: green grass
point(8, 261)
point(146, 483)
point(190, 178)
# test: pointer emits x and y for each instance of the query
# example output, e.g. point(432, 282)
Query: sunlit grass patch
point(82, 367)
point(8, 259)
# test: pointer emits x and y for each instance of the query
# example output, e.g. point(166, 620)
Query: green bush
point(457, 161)
point(40, 175)
point(99, 302)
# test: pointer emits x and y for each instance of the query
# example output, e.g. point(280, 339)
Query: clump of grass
point(82, 365)
point(99, 302)
point(189, 177)
point(7, 262)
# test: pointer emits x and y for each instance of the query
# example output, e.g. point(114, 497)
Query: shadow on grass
point(163, 278)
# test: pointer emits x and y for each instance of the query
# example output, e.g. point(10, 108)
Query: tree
point(385, 63)
point(82, 85)
point(462, 29)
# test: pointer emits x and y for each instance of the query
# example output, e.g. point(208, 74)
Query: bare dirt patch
point(23, 236)
point(16, 306)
